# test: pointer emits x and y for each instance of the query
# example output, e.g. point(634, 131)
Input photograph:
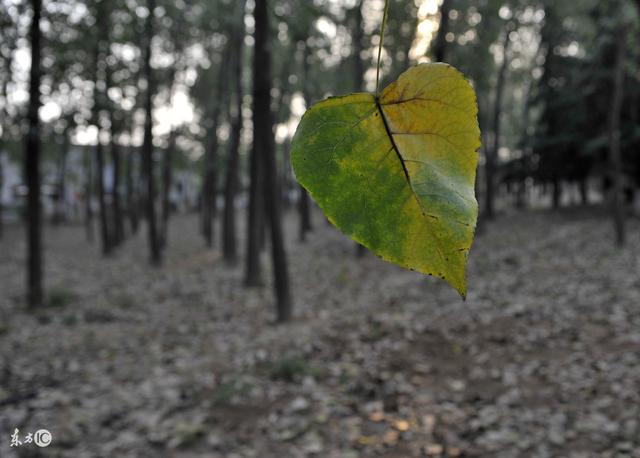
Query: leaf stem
point(384, 24)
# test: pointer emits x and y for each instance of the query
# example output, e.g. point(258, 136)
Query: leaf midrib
point(406, 172)
point(393, 143)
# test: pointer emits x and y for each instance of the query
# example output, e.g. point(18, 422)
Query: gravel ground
point(542, 360)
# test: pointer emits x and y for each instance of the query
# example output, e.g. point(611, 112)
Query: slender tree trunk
point(229, 243)
point(263, 149)
point(32, 166)
point(105, 234)
point(440, 45)
point(583, 185)
point(99, 96)
point(492, 151)
point(253, 273)
point(210, 185)
point(1, 189)
point(556, 192)
point(255, 216)
point(5, 119)
point(167, 172)
point(358, 71)
point(208, 200)
point(520, 194)
point(305, 214)
point(155, 255)
point(88, 195)
point(303, 204)
point(118, 220)
point(117, 223)
point(210, 182)
point(167, 178)
point(614, 136)
point(133, 205)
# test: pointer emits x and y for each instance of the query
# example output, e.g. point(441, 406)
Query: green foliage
point(397, 172)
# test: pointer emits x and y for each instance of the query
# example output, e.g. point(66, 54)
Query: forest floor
point(542, 360)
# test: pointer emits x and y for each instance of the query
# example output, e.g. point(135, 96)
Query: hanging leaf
point(397, 172)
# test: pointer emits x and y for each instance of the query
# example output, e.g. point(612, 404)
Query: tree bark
point(614, 136)
point(263, 150)
point(210, 182)
point(1, 188)
point(32, 166)
point(118, 220)
point(253, 274)
point(155, 255)
point(255, 215)
point(102, 203)
point(167, 179)
point(583, 185)
point(556, 192)
point(440, 45)
point(132, 200)
point(99, 95)
point(88, 194)
point(492, 151)
point(5, 125)
point(358, 71)
point(98, 99)
point(303, 204)
point(229, 242)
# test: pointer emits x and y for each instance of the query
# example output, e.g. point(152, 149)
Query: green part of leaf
point(397, 173)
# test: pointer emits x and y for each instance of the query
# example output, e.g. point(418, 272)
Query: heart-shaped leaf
point(397, 172)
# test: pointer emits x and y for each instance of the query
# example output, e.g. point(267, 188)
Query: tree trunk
point(614, 136)
point(358, 72)
point(440, 45)
point(556, 191)
point(521, 194)
point(229, 243)
point(263, 150)
point(32, 166)
point(255, 217)
point(88, 194)
point(5, 119)
point(132, 201)
point(210, 182)
point(102, 202)
point(303, 204)
point(118, 220)
point(492, 150)
point(167, 178)
point(1, 189)
point(583, 185)
point(209, 192)
point(253, 275)
point(99, 96)
point(305, 214)
point(155, 255)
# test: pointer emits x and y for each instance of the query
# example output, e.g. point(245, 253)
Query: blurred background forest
point(167, 289)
